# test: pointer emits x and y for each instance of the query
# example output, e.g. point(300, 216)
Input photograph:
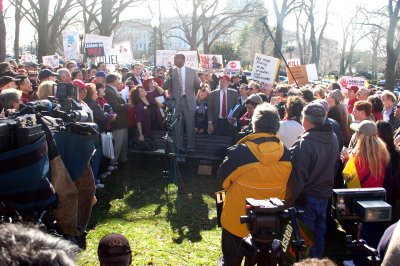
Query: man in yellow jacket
point(258, 167)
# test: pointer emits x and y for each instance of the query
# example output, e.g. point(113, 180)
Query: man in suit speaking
point(183, 83)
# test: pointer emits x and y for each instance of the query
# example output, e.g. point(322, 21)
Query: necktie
point(180, 81)
point(223, 112)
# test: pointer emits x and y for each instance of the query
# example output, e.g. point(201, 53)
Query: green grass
point(165, 224)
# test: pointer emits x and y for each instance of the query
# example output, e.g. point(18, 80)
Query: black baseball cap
point(45, 73)
point(7, 79)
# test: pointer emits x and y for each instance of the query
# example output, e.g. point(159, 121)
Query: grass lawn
point(164, 225)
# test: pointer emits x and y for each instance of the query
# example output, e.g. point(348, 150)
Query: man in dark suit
point(120, 124)
point(220, 103)
point(183, 83)
point(136, 74)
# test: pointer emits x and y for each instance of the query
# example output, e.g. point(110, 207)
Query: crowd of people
point(292, 143)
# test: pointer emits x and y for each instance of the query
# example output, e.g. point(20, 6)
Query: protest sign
point(312, 73)
point(347, 81)
point(94, 49)
point(265, 68)
point(210, 61)
point(233, 66)
point(107, 41)
point(51, 60)
point(124, 52)
point(299, 73)
point(191, 59)
point(71, 45)
point(293, 62)
point(165, 58)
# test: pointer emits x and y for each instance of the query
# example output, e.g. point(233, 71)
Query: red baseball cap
point(226, 77)
point(79, 83)
point(353, 88)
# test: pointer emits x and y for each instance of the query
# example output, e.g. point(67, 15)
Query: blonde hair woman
point(370, 154)
point(45, 90)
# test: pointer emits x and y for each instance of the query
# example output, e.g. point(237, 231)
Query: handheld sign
point(233, 66)
point(265, 68)
point(299, 73)
point(293, 62)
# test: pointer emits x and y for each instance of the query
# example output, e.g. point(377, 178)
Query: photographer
point(258, 167)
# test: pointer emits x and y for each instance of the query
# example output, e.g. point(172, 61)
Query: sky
point(340, 10)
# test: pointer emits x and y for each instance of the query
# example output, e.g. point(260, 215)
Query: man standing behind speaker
point(183, 83)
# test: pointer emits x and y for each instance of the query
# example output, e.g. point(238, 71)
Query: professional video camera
point(268, 221)
point(361, 204)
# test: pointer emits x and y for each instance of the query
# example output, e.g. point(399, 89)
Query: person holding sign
point(183, 82)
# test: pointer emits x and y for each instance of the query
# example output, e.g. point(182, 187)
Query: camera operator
point(313, 157)
point(258, 167)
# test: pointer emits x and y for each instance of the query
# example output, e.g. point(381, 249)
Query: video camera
point(361, 204)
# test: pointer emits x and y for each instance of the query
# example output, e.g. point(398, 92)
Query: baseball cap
point(365, 127)
point(7, 79)
point(100, 74)
point(114, 246)
point(353, 88)
point(337, 95)
point(226, 77)
point(314, 109)
point(324, 103)
point(31, 64)
point(45, 73)
point(79, 83)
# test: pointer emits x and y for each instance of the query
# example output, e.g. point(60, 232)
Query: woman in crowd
point(200, 115)
point(377, 107)
point(251, 103)
point(319, 92)
point(291, 128)
point(366, 165)
point(45, 90)
point(148, 116)
point(392, 183)
point(338, 112)
point(77, 74)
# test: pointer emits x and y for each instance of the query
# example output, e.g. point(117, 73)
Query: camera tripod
point(260, 252)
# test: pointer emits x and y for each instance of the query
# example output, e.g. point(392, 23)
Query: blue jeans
point(315, 218)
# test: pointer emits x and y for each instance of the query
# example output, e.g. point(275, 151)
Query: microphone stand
point(262, 21)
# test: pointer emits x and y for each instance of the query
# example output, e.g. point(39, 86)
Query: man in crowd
point(7, 82)
point(47, 75)
point(25, 86)
point(282, 93)
point(136, 74)
point(101, 66)
point(235, 84)
point(114, 249)
point(121, 123)
point(257, 167)
point(352, 95)
point(100, 77)
point(10, 100)
point(183, 83)
point(363, 94)
point(390, 107)
point(313, 157)
point(64, 76)
point(220, 103)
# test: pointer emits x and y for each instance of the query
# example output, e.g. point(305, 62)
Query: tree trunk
point(3, 38)
point(278, 36)
point(391, 61)
point(43, 31)
point(342, 71)
point(105, 28)
point(18, 19)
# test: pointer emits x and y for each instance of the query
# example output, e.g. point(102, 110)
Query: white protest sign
point(124, 52)
point(191, 59)
point(293, 62)
point(347, 81)
point(71, 45)
point(165, 58)
point(265, 68)
point(312, 72)
point(51, 60)
point(110, 55)
point(233, 66)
